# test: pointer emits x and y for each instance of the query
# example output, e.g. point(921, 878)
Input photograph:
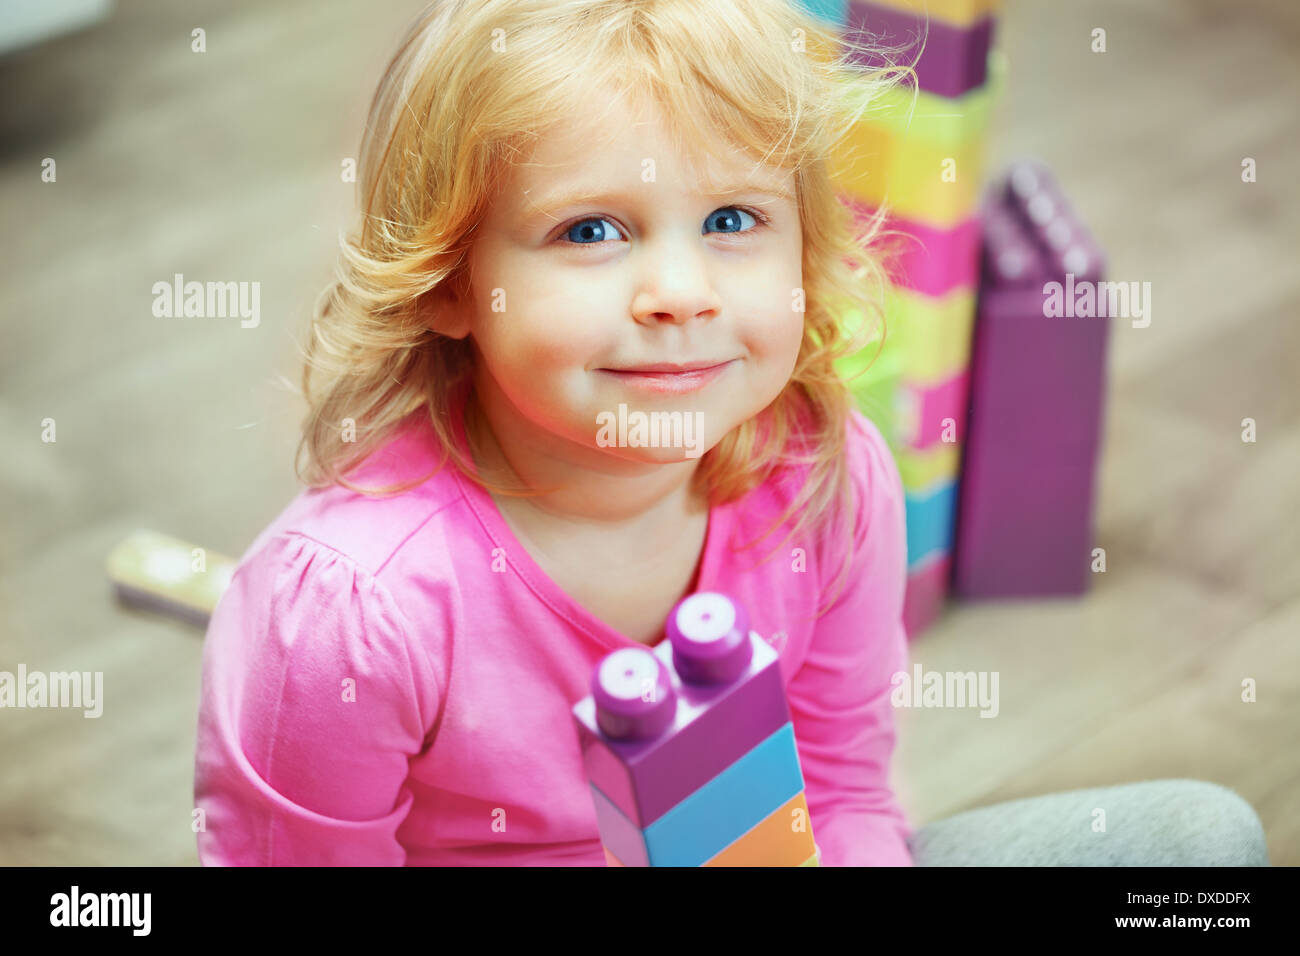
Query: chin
point(661, 437)
point(658, 456)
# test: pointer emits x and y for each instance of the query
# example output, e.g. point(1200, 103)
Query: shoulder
point(868, 527)
point(868, 464)
point(872, 536)
point(878, 486)
point(880, 517)
point(368, 530)
point(299, 628)
point(309, 600)
point(320, 592)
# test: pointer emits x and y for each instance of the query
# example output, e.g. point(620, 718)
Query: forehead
point(616, 142)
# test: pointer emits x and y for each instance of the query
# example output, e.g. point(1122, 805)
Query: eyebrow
point(583, 196)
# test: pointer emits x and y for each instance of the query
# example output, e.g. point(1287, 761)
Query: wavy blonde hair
point(473, 83)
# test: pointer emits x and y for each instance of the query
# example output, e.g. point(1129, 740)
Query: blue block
point(831, 11)
point(931, 516)
point(713, 817)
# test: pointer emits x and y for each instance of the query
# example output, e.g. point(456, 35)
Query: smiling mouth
point(668, 368)
point(676, 379)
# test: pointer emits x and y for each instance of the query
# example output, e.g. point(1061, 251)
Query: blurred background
point(133, 149)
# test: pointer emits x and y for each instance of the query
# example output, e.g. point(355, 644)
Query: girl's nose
point(677, 286)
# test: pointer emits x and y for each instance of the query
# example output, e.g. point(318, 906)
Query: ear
point(446, 308)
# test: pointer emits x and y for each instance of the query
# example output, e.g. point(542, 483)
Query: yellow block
point(933, 334)
point(921, 469)
point(934, 118)
point(824, 47)
point(915, 180)
point(921, 154)
point(957, 12)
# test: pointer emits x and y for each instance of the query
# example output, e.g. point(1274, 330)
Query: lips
point(667, 378)
point(671, 366)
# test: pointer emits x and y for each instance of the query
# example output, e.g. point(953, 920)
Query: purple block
point(619, 837)
point(709, 726)
point(1037, 543)
point(1026, 507)
point(954, 59)
point(1037, 382)
point(1032, 236)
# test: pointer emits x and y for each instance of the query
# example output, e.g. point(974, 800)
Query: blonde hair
point(473, 84)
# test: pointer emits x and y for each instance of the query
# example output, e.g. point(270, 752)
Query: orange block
point(773, 842)
point(610, 858)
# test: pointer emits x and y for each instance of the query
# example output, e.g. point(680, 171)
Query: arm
point(840, 698)
point(311, 708)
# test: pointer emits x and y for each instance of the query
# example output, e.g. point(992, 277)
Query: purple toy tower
point(1025, 517)
point(690, 750)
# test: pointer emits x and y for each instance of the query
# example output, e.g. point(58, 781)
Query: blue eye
point(728, 216)
point(596, 229)
point(590, 235)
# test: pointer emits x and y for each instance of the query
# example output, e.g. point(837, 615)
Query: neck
point(580, 486)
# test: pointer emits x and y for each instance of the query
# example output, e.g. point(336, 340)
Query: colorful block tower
point(1025, 518)
point(690, 750)
point(919, 153)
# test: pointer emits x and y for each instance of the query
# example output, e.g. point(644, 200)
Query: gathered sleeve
point(840, 698)
point(312, 703)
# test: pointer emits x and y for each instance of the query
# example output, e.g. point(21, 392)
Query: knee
point(1230, 829)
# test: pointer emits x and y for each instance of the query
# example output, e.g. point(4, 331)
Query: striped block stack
point(919, 152)
point(689, 747)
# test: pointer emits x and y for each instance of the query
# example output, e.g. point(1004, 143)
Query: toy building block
point(933, 336)
point(950, 59)
point(689, 748)
point(924, 258)
point(958, 13)
point(872, 375)
point(927, 592)
point(955, 12)
point(930, 520)
point(930, 415)
point(169, 575)
point(834, 12)
point(922, 469)
point(938, 261)
point(920, 154)
point(949, 123)
point(918, 180)
point(1037, 381)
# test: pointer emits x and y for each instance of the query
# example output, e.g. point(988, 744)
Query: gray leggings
point(1153, 823)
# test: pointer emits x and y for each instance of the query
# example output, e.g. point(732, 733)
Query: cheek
point(768, 297)
point(773, 328)
point(545, 322)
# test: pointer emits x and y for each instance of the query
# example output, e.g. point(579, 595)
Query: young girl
point(571, 212)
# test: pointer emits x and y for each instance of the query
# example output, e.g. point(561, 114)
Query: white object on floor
point(27, 22)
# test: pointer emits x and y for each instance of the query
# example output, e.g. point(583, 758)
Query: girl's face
point(607, 252)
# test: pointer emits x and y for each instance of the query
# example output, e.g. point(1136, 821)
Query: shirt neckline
point(538, 581)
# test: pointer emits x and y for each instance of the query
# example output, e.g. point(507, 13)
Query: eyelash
point(760, 220)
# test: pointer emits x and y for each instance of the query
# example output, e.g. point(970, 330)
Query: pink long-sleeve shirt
point(388, 681)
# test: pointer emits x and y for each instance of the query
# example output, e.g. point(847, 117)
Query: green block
point(875, 389)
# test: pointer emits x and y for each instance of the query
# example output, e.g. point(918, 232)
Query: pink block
point(925, 258)
point(927, 592)
point(923, 410)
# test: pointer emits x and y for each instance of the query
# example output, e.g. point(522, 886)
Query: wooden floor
point(225, 165)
